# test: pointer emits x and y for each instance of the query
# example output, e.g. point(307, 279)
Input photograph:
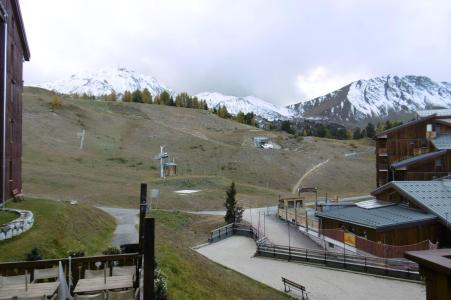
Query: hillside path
point(127, 219)
point(298, 184)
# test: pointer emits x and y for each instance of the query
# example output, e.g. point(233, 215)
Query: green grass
point(191, 275)
point(60, 227)
point(7, 216)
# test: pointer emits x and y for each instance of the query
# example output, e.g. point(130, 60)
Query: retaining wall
point(18, 226)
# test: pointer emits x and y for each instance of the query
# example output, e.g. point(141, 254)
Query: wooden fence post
point(149, 258)
point(142, 214)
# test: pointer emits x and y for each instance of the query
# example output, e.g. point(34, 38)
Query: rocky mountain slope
point(103, 81)
point(246, 105)
point(379, 97)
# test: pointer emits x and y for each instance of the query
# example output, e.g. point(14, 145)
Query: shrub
point(56, 102)
point(76, 253)
point(35, 254)
point(161, 285)
point(111, 251)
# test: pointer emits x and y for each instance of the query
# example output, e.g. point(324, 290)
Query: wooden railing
point(78, 265)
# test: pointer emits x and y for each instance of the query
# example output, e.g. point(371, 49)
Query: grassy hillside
point(192, 276)
point(60, 227)
point(122, 138)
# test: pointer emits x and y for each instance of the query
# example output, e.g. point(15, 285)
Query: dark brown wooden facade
point(397, 236)
point(13, 51)
point(440, 234)
point(408, 140)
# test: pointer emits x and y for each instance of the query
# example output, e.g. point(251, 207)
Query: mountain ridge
point(378, 97)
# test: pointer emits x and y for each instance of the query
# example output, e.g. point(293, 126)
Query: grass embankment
point(60, 227)
point(7, 216)
point(192, 276)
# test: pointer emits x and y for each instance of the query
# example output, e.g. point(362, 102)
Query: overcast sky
point(282, 51)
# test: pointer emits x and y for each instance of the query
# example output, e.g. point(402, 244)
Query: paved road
point(321, 283)
point(127, 219)
point(274, 229)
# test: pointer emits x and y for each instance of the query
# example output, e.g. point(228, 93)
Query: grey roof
point(438, 112)
point(435, 196)
point(442, 141)
point(378, 218)
point(417, 158)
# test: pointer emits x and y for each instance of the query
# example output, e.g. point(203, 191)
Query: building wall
point(14, 89)
point(402, 144)
point(398, 236)
point(426, 170)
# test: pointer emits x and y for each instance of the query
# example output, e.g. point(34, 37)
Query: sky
point(283, 51)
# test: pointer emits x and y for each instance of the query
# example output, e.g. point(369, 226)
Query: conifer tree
point(127, 97)
point(357, 134)
point(147, 96)
point(370, 130)
point(234, 213)
point(165, 98)
point(137, 96)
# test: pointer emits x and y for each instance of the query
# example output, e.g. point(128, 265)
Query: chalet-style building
point(14, 50)
point(416, 150)
point(404, 213)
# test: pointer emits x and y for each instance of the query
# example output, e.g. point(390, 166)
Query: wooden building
point(404, 152)
point(435, 268)
point(14, 50)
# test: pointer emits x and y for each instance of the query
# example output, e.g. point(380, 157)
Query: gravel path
point(127, 219)
point(237, 252)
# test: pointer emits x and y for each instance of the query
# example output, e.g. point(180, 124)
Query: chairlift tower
point(162, 157)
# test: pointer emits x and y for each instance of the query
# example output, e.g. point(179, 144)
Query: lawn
point(192, 276)
point(60, 227)
point(7, 216)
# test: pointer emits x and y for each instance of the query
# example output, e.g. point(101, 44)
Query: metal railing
point(397, 268)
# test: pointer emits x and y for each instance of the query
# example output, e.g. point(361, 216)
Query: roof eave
point(21, 28)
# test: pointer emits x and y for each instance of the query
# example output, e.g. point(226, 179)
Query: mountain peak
point(378, 97)
point(247, 104)
point(103, 81)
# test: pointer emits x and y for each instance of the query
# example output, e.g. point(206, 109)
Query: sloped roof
point(434, 196)
point(418, 158)
point(378, 218)
point(442, 141)
point(438, 112)
point(404, 125)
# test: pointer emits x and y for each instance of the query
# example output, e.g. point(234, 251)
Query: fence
point(374, 248)
point(373, 265)
point(235, 229)
point(397, 268)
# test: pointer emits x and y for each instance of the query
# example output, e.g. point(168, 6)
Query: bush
point(111, 251)
point(161, 285)
point(76, 253)
point(35, 254)
point(56, 102)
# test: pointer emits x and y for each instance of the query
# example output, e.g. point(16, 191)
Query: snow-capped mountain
point(246, 105)
point(377, 98)
point(103, 81)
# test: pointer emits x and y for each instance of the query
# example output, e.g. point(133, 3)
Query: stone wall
point(16, 227)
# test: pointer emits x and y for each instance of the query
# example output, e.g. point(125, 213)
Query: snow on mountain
point(377, 98)
point(246, 105)
point(103, 81)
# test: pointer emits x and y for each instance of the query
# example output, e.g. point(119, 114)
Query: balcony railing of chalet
point(407, 147)
point(422, 176)
point(382, 166)
point(382, 152)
